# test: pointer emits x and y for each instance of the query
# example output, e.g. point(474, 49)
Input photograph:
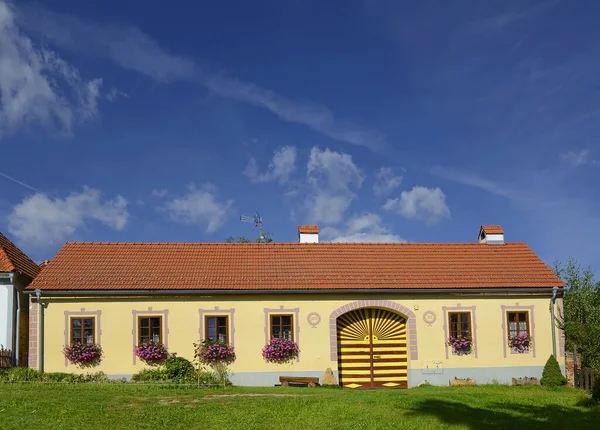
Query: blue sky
point(376, 120)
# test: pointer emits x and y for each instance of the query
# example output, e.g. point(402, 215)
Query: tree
point(266, 237)
point(552, 376)
point(580, 319)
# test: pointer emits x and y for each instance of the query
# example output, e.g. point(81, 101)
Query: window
point(217, 328)
point(460, 323)
point(149, 328)
point(83, 330)
point(281, 327)
point(518, 322)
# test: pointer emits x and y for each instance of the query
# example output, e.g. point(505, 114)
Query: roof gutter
point(184, 292)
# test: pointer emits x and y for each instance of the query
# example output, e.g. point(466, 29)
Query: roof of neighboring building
point(492, 229)
point(13, 259)
point(308, 229)
point(290, 266)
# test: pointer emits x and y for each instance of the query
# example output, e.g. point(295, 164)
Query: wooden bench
point(311, 382)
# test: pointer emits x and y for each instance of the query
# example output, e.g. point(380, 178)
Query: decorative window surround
point(281, 310)
point(460, 308)
point(386, 304)
point(516, 307)
point(82, 312)
point(216, 312)
point(140, 313)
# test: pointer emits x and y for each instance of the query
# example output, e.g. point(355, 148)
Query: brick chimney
point(308, 234)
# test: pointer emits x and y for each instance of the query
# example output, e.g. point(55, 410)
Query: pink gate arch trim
point(411, 321)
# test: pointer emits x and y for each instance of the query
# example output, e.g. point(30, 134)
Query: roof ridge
point(17, 258)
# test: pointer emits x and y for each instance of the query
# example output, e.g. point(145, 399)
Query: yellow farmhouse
point(378, 314)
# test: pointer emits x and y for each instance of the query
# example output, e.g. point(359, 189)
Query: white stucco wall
point(6, 315)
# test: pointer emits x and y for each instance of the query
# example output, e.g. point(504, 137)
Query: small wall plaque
point(429, 317)
point(313, 319)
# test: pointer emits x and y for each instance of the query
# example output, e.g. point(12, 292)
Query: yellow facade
point(314, 329)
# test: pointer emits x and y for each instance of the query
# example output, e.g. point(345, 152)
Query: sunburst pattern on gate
point(372, 349)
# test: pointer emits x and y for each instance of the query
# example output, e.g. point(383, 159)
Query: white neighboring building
point(17, 271)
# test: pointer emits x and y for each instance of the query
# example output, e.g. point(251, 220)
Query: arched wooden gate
point(372, 350)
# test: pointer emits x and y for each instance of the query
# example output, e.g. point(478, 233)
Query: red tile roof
point(492, 229)
point(284, 266)
point(308, 229)
point(13, 259)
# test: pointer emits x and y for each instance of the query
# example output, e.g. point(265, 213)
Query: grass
point(84, 406)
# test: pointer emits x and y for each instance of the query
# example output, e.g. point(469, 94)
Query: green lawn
point(120, 406)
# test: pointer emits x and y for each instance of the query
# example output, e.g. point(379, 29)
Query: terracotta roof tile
point(492, 229)
point(12, 258)
point(280, 266)
point(308, 229)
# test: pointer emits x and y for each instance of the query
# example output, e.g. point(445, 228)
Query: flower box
point(462, 382)
point(525, 381)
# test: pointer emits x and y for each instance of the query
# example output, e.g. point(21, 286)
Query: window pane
point(276, 331)
point(211, 322)
point(522, 326)
point(222, 321)
point(144, 339)
point(512, 316)
point(144, 322)
point(454, 319)
point(512, 333)
point(144, 332)
point(275, 320)
point(212, 333)
point(156, 337)
point(222, 337)
point(156, 322)
point(76, 323)
point(286, 320)
point(87, 323)
point(287, 333)
point(77, 333)
point(512, 326)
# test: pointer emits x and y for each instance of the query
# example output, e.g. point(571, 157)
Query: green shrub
point(596, 390)
point(179, 369)
point(156, 374)
point(20, 374)
point(552, 376)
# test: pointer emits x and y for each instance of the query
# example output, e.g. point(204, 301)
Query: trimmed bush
point(179, 369)
point(552, 376)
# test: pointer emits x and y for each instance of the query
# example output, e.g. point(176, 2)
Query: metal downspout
point(552, 319)
point(11, 277)
point(38, 294)
point(18, 324)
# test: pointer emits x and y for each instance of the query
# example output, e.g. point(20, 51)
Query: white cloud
point(332, 178)
point(473, 180)
point(132, 49)
point(364, 228)
point(41, 221)
point(37, 87)
point(280, 168)
point(386, 181)
point(577, 159)
point(160, 192)
point(199, 206)
point(426, 204)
